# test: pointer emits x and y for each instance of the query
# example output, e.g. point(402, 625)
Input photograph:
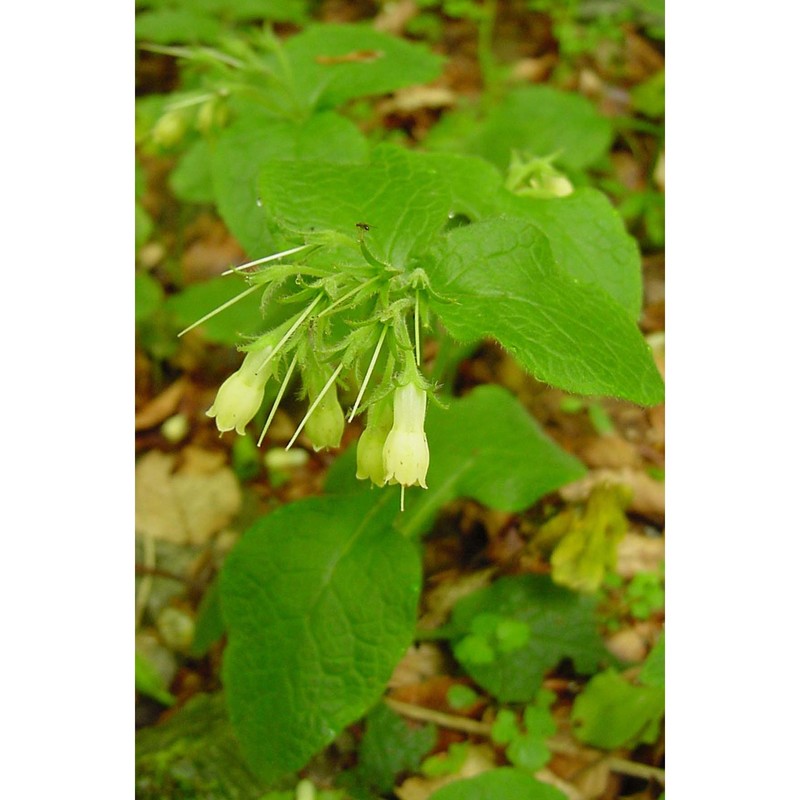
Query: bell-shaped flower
point(324, 421)
point(241, 395)
point(369, 453)
point(405, 453)
point(325, 425)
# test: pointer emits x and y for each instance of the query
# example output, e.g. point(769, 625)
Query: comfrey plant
point(356, 322)
point(372, 254)
point(348, 303)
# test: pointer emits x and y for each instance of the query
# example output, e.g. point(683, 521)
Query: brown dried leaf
point(627, 645)
point(161, 406)
point(414, 98)
point(440, 600)
point(638, 553)
point(420, 663)
point(187, 506)
point(609, 451)
point(394, 17)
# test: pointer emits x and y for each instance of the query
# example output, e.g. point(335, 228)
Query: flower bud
point(241, 395)
point(170, 129)
point(325, 424)
point(369, 453)
point(405, 454)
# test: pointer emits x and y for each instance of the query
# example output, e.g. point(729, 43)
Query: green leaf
point(210, 626)
point(241, 10)
point(150, 682)
point(587, 235)
point(256, 138)
point(652, 671)
point(562, 625)
point(190, 180)
point(472, 443)
point(589, 241)
point(144, 225)
point(195, 301)
point(148, 296)
point(390, 746)
point(446, 763)
point(500, 279)
point(504, 728)
point(460, 696)
point(397, 194)
point(610, 712)
point(177, 26)
point(528, 752)
point(506, 782)
point(192, 756)
point(335, 63)
point(320, 600)
point(648, 96)
point(535, 120)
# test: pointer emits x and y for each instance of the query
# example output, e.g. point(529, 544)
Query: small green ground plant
point(367, 257)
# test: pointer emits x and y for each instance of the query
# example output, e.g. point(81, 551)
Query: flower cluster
point(359, 322)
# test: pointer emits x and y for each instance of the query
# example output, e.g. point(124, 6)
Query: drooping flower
point(369, 453)
point(241, 395)
point(324, 424)
point(405, 453)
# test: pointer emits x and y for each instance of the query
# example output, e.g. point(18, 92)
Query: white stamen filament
point(278, 399)
point(369, 373)
point(416, 327)
point(264, 260)
point(220, 308)
point(402, 497)
point(314, 405)
point(188, 102)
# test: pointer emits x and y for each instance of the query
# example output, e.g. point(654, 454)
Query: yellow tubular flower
point(369, 454)
point(241, 395)
point(405, 454)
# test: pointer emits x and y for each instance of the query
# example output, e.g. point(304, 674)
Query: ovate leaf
point(335, 63)
point(561, 624)
point(587, 236)
point(611, 712)
point(501, 280)
point(320, 601)
point(652, 672)
point(191, 181)
point(535, 120)
point(256, 138)
point(397, 194)
point(391, 746)
point(177, 26)
point(589, 241)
